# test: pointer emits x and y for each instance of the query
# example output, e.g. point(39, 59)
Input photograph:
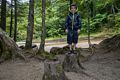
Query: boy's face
point(73, 9)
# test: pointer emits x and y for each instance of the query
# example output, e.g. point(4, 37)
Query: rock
point(22, 47)
point(56, 50)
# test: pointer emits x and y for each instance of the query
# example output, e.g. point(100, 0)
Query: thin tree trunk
point(113, 12)
point(11, 22)
point(89, 30)
point(30, 27)
point(15, 24)
point(94, 8)
point(71, 1)
point(3, 15)
point(43, 33)
point(89, 13)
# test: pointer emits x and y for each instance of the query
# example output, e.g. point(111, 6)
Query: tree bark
point(94, 8)
point(30, 27)
point(113, 12)
point(9, 47)
point(71, 63)
point(3, 15)
point(53, 70)
point(87, 4)
point(15, 20)
point(11, 22)
point(43, 33)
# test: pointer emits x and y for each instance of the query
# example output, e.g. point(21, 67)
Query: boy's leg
point(74, 46)
point(75, 41)
point(70, 47)
point(70, 39)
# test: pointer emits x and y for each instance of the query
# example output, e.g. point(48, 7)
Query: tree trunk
point(94, 8)
point(11, 22)
point(71, 63)
point(71, 1)
point(89, 42)
point(8, 48)
point(3, 15)
point(53, 70)
point(113, 12)
point(43, 33)
point(15, 24)
point(30, 27)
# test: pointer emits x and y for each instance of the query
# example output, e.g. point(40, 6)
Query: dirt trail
point(20, 70)
point(99, 67)
point(50, 44)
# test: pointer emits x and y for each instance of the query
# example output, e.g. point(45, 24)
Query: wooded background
point(104, 17)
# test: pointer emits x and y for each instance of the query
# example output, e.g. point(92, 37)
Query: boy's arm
point(66, 23)
point(79, 22)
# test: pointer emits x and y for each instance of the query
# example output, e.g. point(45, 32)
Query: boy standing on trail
point(73, 27)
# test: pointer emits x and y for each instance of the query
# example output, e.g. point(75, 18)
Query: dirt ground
point(101, 66)
point(21, 70)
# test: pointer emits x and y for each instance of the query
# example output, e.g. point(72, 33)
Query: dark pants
point(72, 37)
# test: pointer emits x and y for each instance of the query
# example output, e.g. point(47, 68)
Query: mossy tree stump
point(53, 70)
point(8, 47)
point(71, 63)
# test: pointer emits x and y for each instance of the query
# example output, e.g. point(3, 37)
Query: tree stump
point(8, 47)
point(71, 63)
point(53, 70)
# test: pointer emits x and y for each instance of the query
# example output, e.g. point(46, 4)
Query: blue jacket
point(71, 24)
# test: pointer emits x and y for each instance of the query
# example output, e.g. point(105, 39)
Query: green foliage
point(97, 22)
point(117, 25)
point(118, 20)
point(56, 10)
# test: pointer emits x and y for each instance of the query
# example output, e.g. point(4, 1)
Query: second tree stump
point(71, 63)
point(53, 70)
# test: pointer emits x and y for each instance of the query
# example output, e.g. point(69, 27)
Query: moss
point(6, 55)
point(59, 68)
point(47, 55)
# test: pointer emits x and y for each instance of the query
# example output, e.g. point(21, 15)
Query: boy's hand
point(66, 31)
point(78, 31)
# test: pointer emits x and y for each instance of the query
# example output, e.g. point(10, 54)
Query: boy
point(73, 27)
